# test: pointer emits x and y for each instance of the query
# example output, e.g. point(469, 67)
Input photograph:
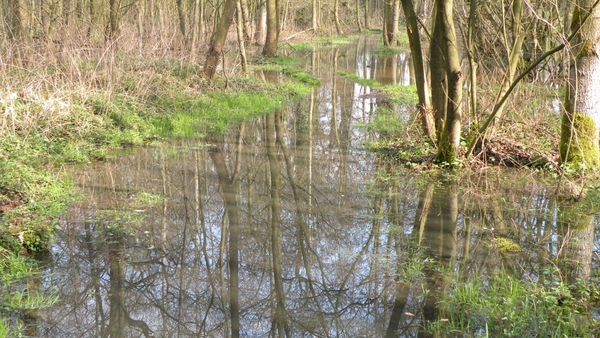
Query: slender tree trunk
point(261, 23)
point(246, 21)
point(414, 40)
point(270, 48)
point(367, 14)
point(336, 17)
point(194, 29)
point(357, 10)
point(182, 25)
point(315, 14)
point(450, 135)
point(240, 34)
point(513, 60)
point(439, 85)
point(215, 51)
point(471, 56)
point(581, 121)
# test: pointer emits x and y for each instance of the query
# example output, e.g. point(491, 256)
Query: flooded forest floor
point(140, 199)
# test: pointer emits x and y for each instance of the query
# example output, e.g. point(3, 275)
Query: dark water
point(287, 226)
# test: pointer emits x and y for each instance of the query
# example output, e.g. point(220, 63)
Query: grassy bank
point(58, 114)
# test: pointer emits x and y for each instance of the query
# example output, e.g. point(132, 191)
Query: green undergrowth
point(505, 306)
point(149, 101)
point(22, 297)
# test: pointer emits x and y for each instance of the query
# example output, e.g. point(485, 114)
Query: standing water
point(287, 226)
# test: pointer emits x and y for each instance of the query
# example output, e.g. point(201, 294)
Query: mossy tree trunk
point(580, 125)
point(444, 32)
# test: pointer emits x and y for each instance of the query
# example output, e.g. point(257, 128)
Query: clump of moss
point(578, 142)
point(506, 245)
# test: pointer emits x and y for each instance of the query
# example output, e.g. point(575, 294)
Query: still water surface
point(287, 226)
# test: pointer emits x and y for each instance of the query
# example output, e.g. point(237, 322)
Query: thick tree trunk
point(17, 20)
point(261, 23)
point(390, 25)
point(581, 122)
point(215, 51)
point(113, 19)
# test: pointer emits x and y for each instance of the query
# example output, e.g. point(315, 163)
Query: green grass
point(19, 277)
point(505, 306)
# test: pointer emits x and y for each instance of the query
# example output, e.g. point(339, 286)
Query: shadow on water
point(286, 227)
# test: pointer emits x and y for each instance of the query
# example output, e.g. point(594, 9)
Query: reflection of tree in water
point(285, 228)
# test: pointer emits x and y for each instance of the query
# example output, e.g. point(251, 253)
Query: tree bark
point(241, 36)
point(450, 135)
point(270, 47)
point(113, 19)
point(390, 25)
point(581, 121)
point(215, 52)
point(336, 17)
point(182, 24)
point(414, 40)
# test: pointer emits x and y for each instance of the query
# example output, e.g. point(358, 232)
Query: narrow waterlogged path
point(288, 227)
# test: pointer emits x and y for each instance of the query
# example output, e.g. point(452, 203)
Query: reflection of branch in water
point(280, 320)
point(303, 233)
point(230, 198)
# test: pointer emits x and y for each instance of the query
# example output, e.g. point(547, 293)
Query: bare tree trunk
point(17, 21)
point(113, 19)
point(390, 25)
point(261, 23)
point(194, 30)
point(270, 48)
point(414, 40)
point(357, 9)
point(240, 34)
point(450, 135)
point(182, 24)
point(246, 21)
point(336, 17)
point(439, 85)
point(315, 14)
point(215, 51)
point(367, 14)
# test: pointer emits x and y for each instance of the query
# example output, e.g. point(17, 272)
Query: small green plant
point(503, 305)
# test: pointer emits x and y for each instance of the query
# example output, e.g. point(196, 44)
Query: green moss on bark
point(579, 141)
point(446, 151)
